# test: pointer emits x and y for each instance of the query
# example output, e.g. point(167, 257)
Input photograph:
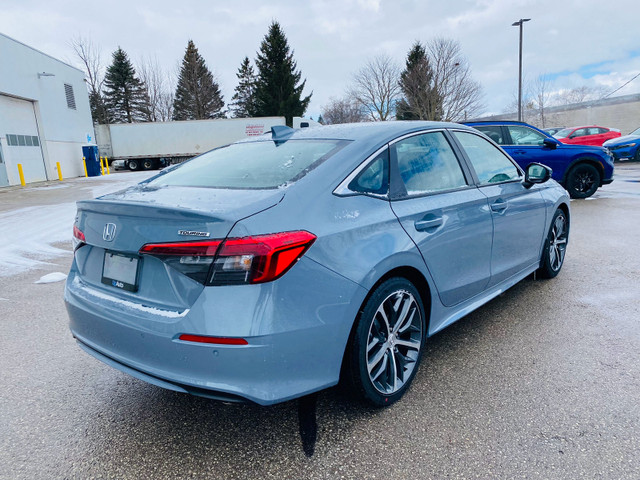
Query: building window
point(14, 140)
point(71, 100)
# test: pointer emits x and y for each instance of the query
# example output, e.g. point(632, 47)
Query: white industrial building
point(44, 115)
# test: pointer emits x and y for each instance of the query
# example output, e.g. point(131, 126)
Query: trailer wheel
point(147, 164)
point(133, 165)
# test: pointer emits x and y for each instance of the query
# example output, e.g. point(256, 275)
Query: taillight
point(259, 259)
point(78, 238)
point(235, 261)
point(194, 259)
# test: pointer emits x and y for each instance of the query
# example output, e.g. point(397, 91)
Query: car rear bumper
point(296, 332)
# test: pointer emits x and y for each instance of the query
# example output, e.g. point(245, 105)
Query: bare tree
point(90, 55)
point(375, 88)
point(461, 96)
point(541, 99)
point(579, 95)
point(342, 110)
point(158, 91)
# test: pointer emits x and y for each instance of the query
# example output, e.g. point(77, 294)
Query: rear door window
point(427, 164)
point(494, 132)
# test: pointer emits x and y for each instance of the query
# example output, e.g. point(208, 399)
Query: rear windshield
point(252, 165)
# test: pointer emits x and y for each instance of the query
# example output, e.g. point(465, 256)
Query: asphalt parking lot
point(543, 383)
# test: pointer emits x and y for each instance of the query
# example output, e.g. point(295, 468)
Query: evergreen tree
point(124, 93)
point(198, 95)
point(243, 100)
point(420, 97)
point(320, 119)
point(99, 112)
point(278, 87)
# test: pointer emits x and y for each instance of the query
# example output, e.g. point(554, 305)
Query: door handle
point(422, 225)
point(499, 206)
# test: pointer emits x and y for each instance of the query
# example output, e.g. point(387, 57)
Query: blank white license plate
point(120, 271)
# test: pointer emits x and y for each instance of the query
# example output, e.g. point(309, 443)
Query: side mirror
point(550, 143)
point(536, 173)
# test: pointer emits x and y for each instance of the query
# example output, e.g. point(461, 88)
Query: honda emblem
point(109, 232)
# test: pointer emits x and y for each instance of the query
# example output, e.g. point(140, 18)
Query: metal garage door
point(19, 128)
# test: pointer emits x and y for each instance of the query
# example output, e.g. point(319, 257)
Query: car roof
point(501, 122)
point(365, 131)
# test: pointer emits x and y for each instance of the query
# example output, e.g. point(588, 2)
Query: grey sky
point(575, 43)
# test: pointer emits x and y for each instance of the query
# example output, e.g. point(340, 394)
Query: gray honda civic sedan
point(270, 268)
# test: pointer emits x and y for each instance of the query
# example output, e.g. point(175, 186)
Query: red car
point(591, 135)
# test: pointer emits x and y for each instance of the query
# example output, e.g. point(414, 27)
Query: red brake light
point(77, 233)
point(193, 259)
point(234, 261)
point(195, 249)
point(78, 238)
point(259, 259)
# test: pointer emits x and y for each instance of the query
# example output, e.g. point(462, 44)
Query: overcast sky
point(575, 43)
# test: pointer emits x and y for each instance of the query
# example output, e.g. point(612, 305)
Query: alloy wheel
point(558, 242)
point(394, 342)
point(584, 181)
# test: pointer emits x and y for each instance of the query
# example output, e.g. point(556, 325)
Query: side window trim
point(468, 161)
point(397, 190)
point(343, 189)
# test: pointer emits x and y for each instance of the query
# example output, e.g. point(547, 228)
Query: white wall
point(62, 130)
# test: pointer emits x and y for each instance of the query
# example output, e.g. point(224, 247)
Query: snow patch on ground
point(27, 234)
point(52, 277)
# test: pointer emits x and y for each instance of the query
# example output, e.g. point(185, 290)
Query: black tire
point(555, 246)
point(133, 165)
point(147, 164)
point(383, 356)
point(636, 157)
point(582, 180)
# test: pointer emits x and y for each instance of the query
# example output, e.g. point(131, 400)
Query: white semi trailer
point(144, 146)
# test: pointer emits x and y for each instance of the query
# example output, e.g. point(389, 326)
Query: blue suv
point(580, 169)
point(625, 148)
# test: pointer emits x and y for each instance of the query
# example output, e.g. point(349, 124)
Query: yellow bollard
point(21, 173)
point(106, 162)
point(59, 171)
point(101, 166)
point(84, 164)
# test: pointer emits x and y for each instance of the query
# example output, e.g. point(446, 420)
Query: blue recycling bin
point(92, 158)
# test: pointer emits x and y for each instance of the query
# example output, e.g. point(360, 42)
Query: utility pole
point(519, 24)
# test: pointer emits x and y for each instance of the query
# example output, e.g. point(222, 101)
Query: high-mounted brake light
point(235, 261)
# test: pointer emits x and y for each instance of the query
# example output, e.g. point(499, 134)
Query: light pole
point(519, 24)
